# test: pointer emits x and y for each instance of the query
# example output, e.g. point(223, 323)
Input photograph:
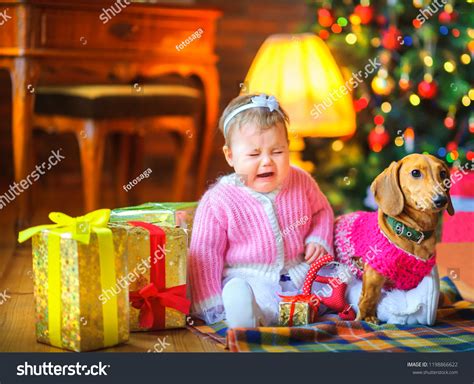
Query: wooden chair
point(93, 112)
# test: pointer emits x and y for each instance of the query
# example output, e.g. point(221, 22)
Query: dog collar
point(407, 232)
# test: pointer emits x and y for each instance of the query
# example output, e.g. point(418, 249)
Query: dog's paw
point(368, 319)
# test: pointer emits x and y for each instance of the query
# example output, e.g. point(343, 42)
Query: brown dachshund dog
point(412, 192)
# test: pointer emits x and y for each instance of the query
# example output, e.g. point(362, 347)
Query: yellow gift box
point(74, 261)
point(301, 314)
point(156, 275)
point(297, 310)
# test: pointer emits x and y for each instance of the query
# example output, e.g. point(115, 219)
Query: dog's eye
point(416, 173)
point(443, 174)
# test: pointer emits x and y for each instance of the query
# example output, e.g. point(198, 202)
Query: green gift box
point(162, 214)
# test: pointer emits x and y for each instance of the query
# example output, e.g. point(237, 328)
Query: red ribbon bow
point(149, 300)
point(153, 299)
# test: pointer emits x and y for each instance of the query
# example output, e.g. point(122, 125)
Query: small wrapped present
point(75, 262)
point(163, 214)
point(303, 309)
point(157, 275)
point(297, 310)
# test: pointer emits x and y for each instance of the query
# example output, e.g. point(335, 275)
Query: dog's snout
point(440, 201)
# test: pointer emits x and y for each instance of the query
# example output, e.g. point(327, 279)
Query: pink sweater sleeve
point(206, 261)
point(322, 221)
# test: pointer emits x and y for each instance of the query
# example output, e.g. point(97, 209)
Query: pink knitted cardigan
point(239, 232)
point(358, 235)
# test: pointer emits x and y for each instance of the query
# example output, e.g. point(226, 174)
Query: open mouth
point(265, 175)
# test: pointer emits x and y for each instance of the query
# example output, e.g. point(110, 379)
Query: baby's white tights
point(240, 305)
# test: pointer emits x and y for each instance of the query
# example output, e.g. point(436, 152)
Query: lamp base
point(296, 148)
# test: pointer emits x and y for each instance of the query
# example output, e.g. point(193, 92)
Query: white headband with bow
point(255, 102)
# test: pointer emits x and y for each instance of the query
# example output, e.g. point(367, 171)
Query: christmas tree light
point(418, 100)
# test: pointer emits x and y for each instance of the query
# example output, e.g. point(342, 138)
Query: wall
point(242, 29)
point(244, 26)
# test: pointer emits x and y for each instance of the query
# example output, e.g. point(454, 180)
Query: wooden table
point(82, 42)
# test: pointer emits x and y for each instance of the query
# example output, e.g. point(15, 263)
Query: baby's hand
point(313, 252)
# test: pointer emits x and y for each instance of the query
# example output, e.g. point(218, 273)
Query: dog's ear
point(387, 192)
point(449, 208)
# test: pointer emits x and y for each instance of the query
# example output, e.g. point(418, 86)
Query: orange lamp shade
point(301, 73)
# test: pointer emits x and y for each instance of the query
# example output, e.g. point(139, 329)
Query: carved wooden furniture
point(93, 112)
point(65, 41)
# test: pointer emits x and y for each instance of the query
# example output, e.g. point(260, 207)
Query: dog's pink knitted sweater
point(357, 235)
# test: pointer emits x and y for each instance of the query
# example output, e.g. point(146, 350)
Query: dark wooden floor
point(17, 326)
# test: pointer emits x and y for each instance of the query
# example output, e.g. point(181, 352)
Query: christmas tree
point(418, 99)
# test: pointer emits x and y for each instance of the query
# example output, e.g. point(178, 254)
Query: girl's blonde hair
point(263, 117)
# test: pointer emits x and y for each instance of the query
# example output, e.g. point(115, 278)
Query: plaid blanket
point(453, 332)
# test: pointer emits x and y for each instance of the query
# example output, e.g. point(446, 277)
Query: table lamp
point(299, 70)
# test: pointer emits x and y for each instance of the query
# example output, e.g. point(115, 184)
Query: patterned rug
point(453, 332)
